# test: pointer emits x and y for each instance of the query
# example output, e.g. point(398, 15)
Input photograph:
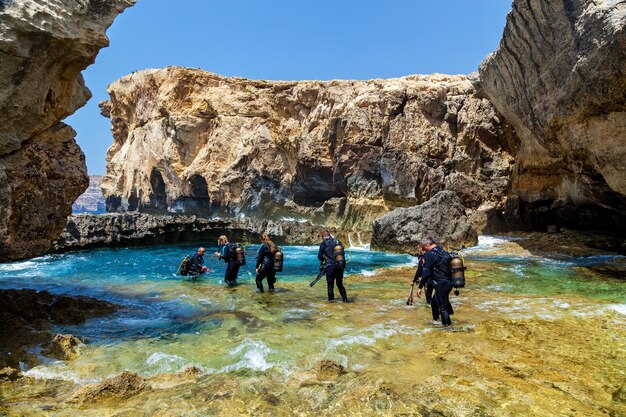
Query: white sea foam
point(253, 354)
point(367, 273)
point(160, 362)
point(58, 371)
point(620, 308)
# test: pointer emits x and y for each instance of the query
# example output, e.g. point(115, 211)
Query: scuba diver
point(196, 263)
point(227, 252)
point(437, 269)
point(265, 263)
point(420, 271)
point(332, 253)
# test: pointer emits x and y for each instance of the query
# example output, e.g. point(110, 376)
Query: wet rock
point(118, 229)
point(63, 346)
point(122, 386)
point(337, 152)
point(329, 370)
point(443, 217)
point(44, 46)
point(9, 374)
point(26, 316)
point(558, 76)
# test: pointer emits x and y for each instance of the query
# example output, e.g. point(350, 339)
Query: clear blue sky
point(288, 40)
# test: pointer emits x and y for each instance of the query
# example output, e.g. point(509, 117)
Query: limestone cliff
point(44, 45)
point(559, 76)
point(336, 152)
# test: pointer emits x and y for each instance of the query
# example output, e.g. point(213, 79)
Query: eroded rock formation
point(559, 76)
point(336, 152)
point(44, 46)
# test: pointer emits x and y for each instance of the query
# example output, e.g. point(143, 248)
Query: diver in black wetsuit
point(226, 252)
point(196, 263)
point(436, 270)
point(418, 274)
point(265, 263)
point(334, 270)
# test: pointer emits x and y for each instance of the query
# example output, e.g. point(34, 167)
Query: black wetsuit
point(334, 271)
point(227, 253)
point(195, 264)
point(265, 267)
point(418, 275)
point(436, 270)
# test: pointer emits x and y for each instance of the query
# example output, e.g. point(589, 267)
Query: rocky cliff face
point(44, 46)
point(559, 76)
point(337, 152)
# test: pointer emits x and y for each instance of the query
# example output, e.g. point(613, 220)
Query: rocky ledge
point(118, 229)
point(27, 316)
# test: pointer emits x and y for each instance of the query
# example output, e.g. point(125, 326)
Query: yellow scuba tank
point(240, 256)
point(457, 271)
point(339, 254)
point(278, 260)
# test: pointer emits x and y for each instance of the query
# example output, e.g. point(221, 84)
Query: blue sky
point(288, 40)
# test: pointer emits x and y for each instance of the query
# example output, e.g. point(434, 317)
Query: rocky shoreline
point(85, 231)
point(27, 318)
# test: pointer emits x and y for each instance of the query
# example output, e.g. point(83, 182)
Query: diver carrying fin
point(320, 275)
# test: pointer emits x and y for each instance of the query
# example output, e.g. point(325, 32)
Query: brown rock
point(44, 46)
point(63, 346)
point(9, 374)
point(559, 77)
point(340, 153)
point(443, 218)
point(329, 370)
point(122, 386)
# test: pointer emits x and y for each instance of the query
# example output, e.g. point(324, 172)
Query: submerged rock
point(329, 370)
point(122, 386)
point(27, 315)
point(444, 218)
point(44, 46)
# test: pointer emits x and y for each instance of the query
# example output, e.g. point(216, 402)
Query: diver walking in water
point(418, 274)
point(265, 263)
point(437, 269)
point(332, 253)
point(226, 252)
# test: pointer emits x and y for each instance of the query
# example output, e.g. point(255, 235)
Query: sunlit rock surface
point(443, 218)
point(337, 152)
point(44, 46)
point(559, 76)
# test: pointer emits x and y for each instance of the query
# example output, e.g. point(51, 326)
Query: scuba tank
point(339, 254)
point(457, 271)
point(278, 260)
point(240, 256)
point(183, 268)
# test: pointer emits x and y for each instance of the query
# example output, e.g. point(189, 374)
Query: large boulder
point(443, 217)
point(559, 76)
point(44, 46)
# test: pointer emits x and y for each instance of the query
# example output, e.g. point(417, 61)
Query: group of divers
point(438, 271)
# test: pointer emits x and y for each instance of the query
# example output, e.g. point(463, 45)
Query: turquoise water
point(168, 323)
point(156, 300)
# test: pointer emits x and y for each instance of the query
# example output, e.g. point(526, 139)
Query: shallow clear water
point(168, 323)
